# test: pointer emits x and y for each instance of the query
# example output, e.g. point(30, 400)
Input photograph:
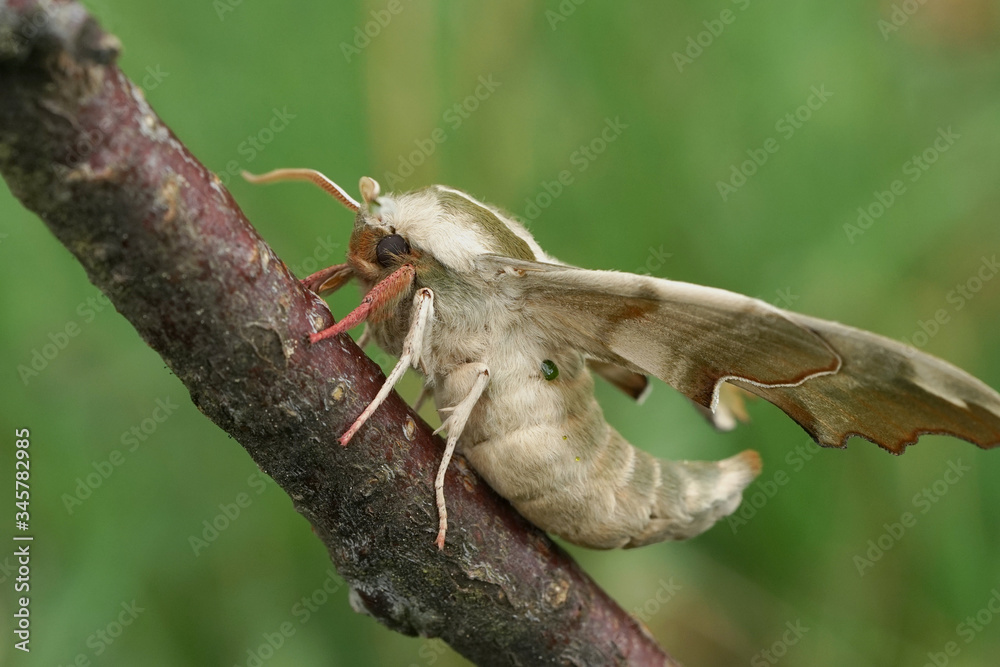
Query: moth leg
point(423, 307)
point(455, 424)
point(380, 296)
point(365, 338)
point(425, 392)
point(328, 280)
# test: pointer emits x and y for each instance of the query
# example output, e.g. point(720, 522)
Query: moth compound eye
point(390, 248)
point(549, 370)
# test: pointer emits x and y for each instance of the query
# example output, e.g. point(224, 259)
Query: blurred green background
point(696, 90)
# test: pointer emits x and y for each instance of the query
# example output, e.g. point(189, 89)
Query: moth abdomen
point(695, 494)
point(568, 472)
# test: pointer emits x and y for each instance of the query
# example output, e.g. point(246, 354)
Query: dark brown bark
point(159, 234)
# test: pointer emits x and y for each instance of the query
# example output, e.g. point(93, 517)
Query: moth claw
point(445, 424)
point(349, 433)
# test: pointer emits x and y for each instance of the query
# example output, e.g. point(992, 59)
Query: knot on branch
point(29, 29)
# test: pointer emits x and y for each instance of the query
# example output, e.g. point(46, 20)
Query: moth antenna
point(310, 175)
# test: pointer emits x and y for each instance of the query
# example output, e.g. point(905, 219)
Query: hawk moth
point(506, 337)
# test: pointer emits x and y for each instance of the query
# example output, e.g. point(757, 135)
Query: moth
point(506, 337)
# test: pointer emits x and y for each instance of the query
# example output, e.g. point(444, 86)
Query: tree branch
point(159, 234)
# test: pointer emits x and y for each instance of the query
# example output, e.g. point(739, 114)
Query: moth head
point(376, 248)
point(377, 254)
point(440, 230)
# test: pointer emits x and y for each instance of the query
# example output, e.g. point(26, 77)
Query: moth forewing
point(504, 334)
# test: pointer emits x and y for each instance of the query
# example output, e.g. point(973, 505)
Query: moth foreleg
point(423, 308)
point(328, 280)
point(455, 424)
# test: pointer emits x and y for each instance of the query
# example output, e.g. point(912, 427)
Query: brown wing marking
point(888, 393)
